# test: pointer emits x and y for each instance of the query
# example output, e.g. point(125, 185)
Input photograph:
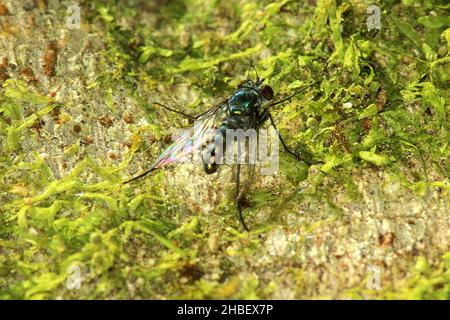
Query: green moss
point(377, 122)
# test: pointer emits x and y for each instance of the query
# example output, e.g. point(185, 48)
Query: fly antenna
point(252, 65)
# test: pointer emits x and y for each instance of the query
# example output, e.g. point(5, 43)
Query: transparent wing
point(189, 141)
point(244, 177)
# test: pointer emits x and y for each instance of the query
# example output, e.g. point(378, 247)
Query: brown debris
point(128, 118)
point(41, 4)
point(77, 128)
point(367, 124)
point(3, 10)
point(55, 113)
point(50, 58)
point(381, 99)
point(3, 71)
point(245, 202)
point(37, 126)
point(386, 240)
point(192, 272)
point(113, 156)
point(64, 164)
point(28, 74)
point(106, 121)
point(88, 140)
point(31, 21)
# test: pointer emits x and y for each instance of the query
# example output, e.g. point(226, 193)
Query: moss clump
point(69, 134)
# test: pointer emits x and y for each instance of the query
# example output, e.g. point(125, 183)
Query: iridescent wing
point(191, 140)
point(187, 143)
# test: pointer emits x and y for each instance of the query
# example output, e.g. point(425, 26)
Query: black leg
point(238, 196)
point(178, 112)
point(284, 144)
point(263, 117)
point(293, 95)
point(139, 176)
point(301, 90)
point(188, 115)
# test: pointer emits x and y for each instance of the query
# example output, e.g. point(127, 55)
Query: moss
point(77, 118)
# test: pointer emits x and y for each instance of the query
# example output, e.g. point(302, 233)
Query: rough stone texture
point(304, 245)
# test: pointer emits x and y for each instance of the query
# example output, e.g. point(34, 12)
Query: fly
point(246, 108)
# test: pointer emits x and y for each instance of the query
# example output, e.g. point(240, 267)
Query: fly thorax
point(244, 101)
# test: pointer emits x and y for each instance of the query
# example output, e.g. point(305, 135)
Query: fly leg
point(178, 112)
point(299, 91)
point(263, 117)
point(139, 176)
point(283, 143)
point(238, 196)
point(212, 155)
point(293, 95)
point(188, 115)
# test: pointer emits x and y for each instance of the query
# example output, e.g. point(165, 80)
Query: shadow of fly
point(248, 108)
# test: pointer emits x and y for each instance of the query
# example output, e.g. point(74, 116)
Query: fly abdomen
point(209, 158)
point(213, 152)
point(212, 155)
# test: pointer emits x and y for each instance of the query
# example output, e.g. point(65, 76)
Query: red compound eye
point(267, 92)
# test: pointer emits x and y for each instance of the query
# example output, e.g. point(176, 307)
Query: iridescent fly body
point(243, 111)
point(246, 108)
